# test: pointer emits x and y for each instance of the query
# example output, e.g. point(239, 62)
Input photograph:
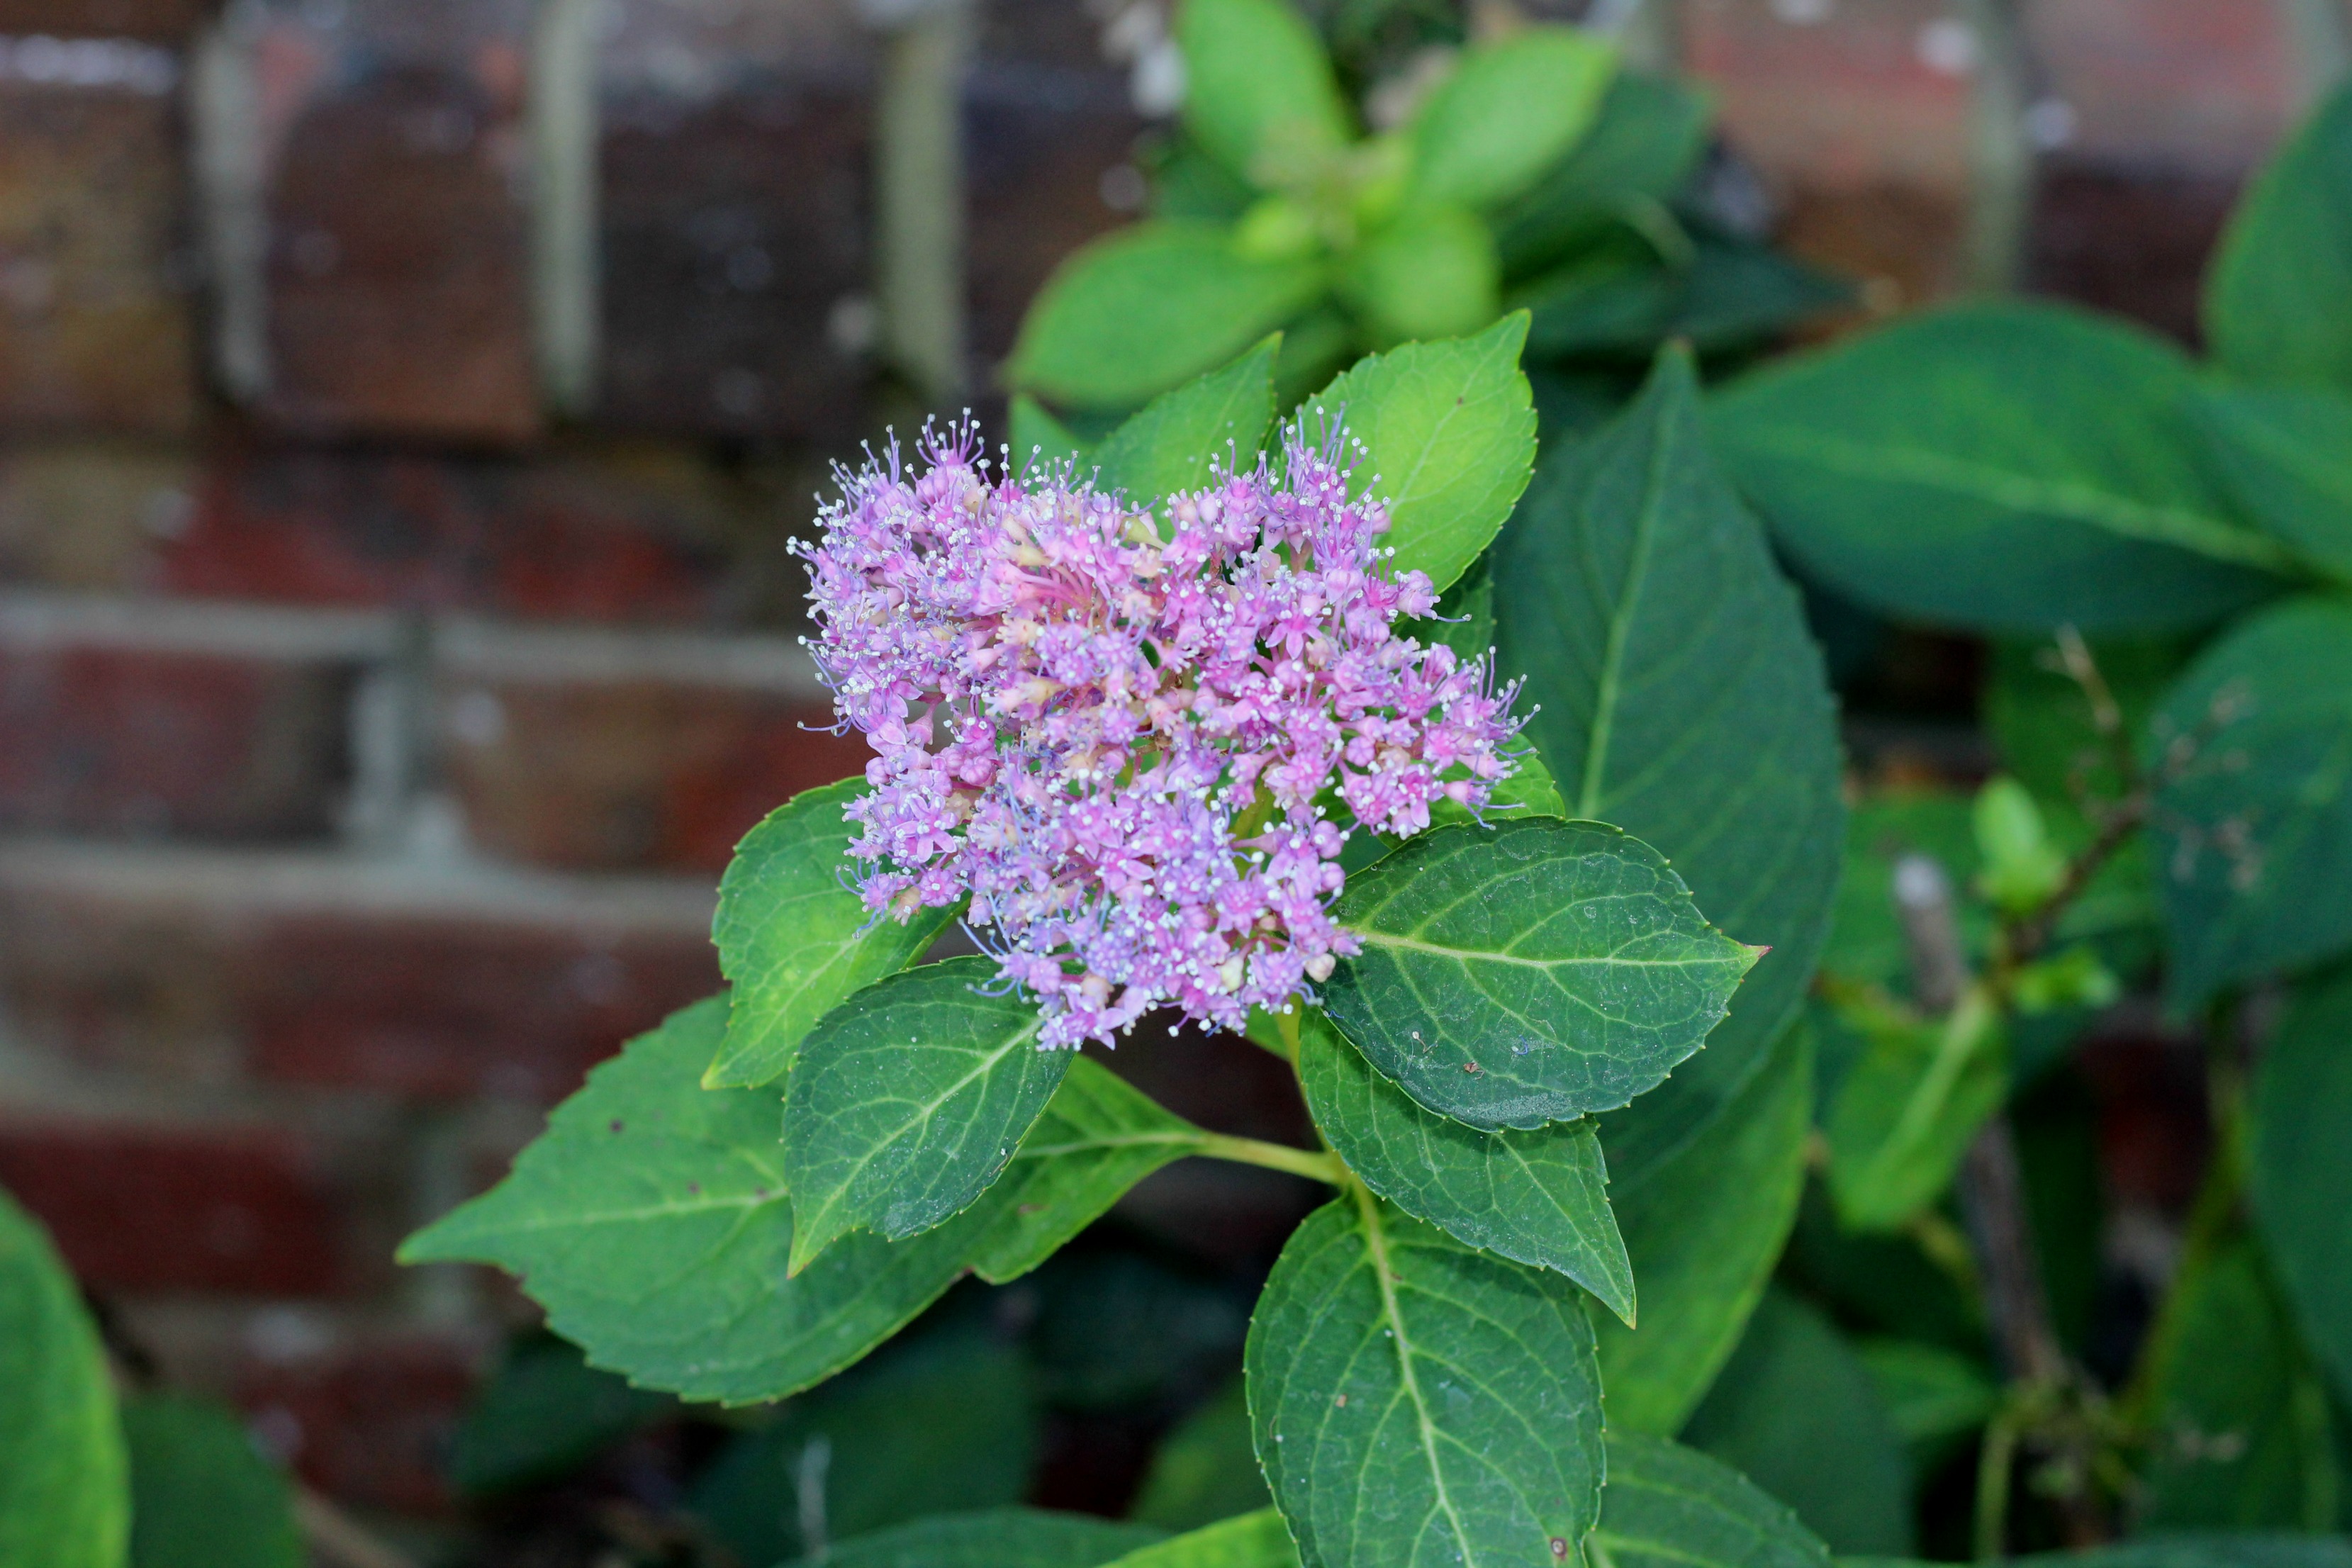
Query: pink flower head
point(1136, 738)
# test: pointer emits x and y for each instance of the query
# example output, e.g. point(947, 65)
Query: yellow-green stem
point(1274, 1157)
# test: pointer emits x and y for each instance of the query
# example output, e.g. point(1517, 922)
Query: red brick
point(397, 273)
point(134, 1207)
point(155, 20)
point(145, 741)
point(632, 537)
point(2130, 238)
point(94, 317)
point(366, 1418)
point(633, 774)
point(2204, 87)
point(87, 514)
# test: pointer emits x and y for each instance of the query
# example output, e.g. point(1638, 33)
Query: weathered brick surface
point(160, 21)
point(2202, 87)
point(2131, 240)
point(245, 1210)
point(94, 318)
point(397, 264)
point(89, 513)
point(364, 1415)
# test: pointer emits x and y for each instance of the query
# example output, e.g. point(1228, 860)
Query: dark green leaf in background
point(1148, 308)
point(908, 1102)
point(2252, 827)
point(2207, 1549)
point(1259, 94)
point(1681, 698)
point(1184, 437)
point(1530, 972)
point(1671, 1507)
point(1512, 107)
point(1258, 1540)
point(2285, 454)
point(65, 1500)
point(1704, 1228)
point(1449, 433)
point(1717, 294)
point(2301, 1173)
point(995, 1538)
point(1647, 139)
point(2274, 298)
point(1206, 1468)
point(1416, 1402)
point(1937, 1399)
point(1539, 1196)
point(793, 939)
point(1098, 1138)
point(202, 1495)
point(652, 1221)
point(2002, 466)
point(1797, 1412)
point(543, 1412)
point(2237, 1413)
point(1429, 273)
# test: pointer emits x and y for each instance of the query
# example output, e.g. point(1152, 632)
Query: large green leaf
point(1539, 1196)
point(1259, 94)
point(544, 1411)
point(2000, 467)
point(2286, 453)
point(1183, 437)
point(1417, 1402)
point(1257, 1540)
point(1098, 1136)
point(1205, 1469)
point(1148, 308)
point(1671, 1507)
point(65, 1500)
point(1679, 695)
point(1795, 1412)
point(652, 1221)
point(202, 1495)
point(908, 1101)
point(1449, 435)
point(1512, 107)
point(1430, 273)
point(2301, 1173)
point(2238, 1414)
point(995, 1538)
point(1649, 137)
point(1532, 972)
point(1704, 1228)
point(2253, 754)
point(946, 1424)
point(792, 940)
point(2274, 299)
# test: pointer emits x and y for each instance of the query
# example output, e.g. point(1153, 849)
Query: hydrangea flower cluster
point(1132, 740)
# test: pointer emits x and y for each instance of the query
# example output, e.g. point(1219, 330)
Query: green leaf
point(1098, 1136)
point(2274, 298)
point(1905, 1114)
point(1530, 791)
point(1259, 94)
point(652, 1221)
point(1998, 466)
point(1669, 1507)
point(545, 1412)
point(1429, 273)
point(944, 1425)
point(2285, 454)
point(2237, 1411)
point(1539, 1197)
point(1795, 1412)
point(1037, 436)
point(65, 1499)
point(1465, 617)
point(1937, 1399)
point(1184, 437)
point(1257, 1540)
point(1704, 1228)
point(1618, 300)
point(1449, 432)
point(1417, 1402)
point(2207, 1549)
point(2253, 755)
point(1530, 972)
point(1678, 694)
point(1204, 1470)
point(202, 1495)
point(995, 1538)
point(2023, 867)
point(1151, 307)
point(1649, 137)
point(2301, 1165)
point(1512, 107)
point(908, 1102)
point(794, 941)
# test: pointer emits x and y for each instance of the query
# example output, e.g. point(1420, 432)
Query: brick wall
point(403, 409)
